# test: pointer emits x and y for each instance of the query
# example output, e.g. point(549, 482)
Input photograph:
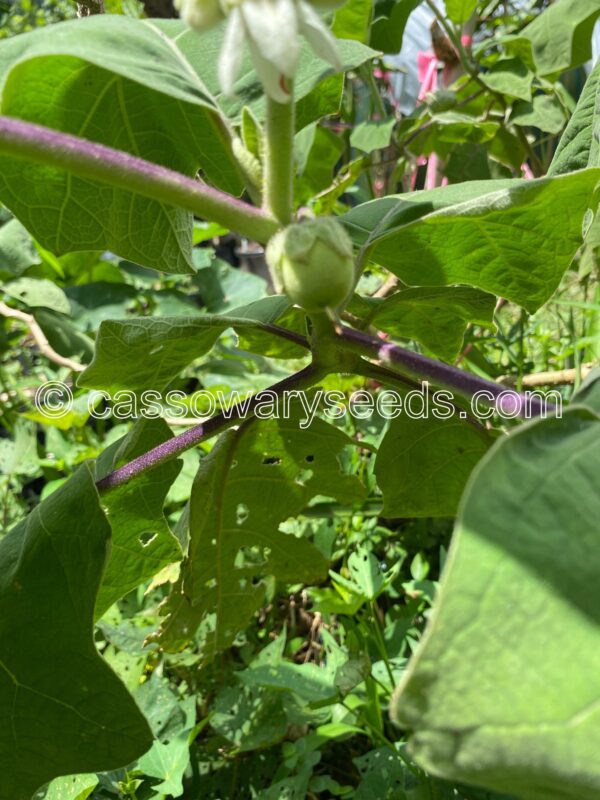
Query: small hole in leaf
point(271, 460)
point(146, 537)
point(241, 513)
point(310, 459)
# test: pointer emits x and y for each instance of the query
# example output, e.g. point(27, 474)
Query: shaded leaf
point(142, 543)
point(423, 464)
point(437, 317)
point(544, 112)
point(17, 250)
point(66, 712)
point(518, 601)
point(253, 480)
point(38, 293)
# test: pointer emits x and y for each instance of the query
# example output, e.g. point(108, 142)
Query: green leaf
point(544, 112)
point(313, 684)
point(317, 151)
point(120, 82)
point(436, 317)
point(423, 463)
point(352, 20)
point(234, 528)
point(460, 11)
point(75, 787)
point(561, 36)
point(52, 679)
point(372, 135)
point(148, 352)
point(513, 238)
point(38, 293)
point(578, 147)
point(588, 393)
point(17, 250)
point(383, 775)
point(387, 31)
point(167, 761)
point(517, 618)
point(366, 573)
point(142, 543)
point(249, 718)
point(510, 77)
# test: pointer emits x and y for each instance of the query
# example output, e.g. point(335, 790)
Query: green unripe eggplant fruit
point(313, 263)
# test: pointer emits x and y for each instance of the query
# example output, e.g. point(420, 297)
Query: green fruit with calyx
point(313, 263)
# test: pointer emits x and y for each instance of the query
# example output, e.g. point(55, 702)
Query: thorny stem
point(226, 419)
point(95, 161)
point(278, 189)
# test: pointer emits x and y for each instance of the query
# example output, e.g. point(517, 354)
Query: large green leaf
point(148, 352)
point(561, 36)
point(253, 480)
point(424, 463)
point(142, 543)
point(62, 709)
point(512, 238)
point(504, 690)
point(437, 316)
point(120, 82)
point(578, 147)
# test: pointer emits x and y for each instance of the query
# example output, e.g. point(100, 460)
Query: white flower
point(272, 29)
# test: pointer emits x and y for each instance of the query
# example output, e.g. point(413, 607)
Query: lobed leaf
point(253, 480)
point(142, 543)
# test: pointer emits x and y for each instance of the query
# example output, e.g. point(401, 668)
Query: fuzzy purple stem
point(506, 402)
point(87, 159)
point(205, 430)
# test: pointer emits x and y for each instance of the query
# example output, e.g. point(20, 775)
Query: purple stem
point(184, 441)
point(507, 402)
point(87, 159)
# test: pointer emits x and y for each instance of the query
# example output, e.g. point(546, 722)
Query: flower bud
point(313, 263)
point(200, 14)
